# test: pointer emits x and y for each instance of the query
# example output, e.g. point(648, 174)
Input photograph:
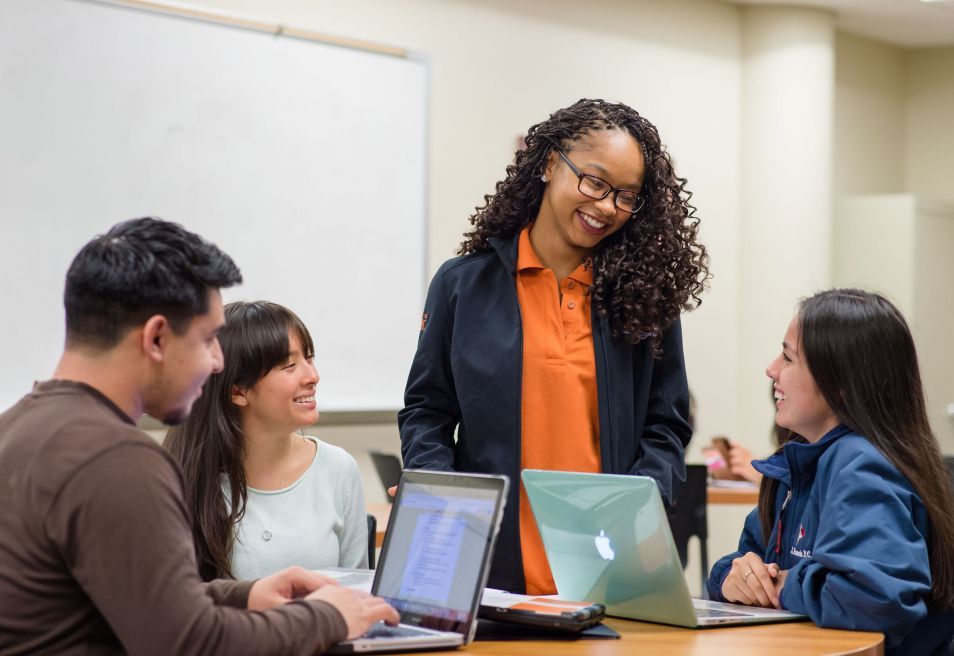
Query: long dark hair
point(210, 445)
point(860, 352)
point(651, 269)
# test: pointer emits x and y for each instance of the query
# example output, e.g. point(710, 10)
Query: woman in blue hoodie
point(855, 524)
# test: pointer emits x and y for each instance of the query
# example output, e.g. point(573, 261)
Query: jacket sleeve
point(750, 540)
point(869, 567)
point(431, 412)
point(666, 433)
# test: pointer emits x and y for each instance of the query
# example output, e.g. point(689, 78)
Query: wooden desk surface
point(733, 495)
point(803, 638)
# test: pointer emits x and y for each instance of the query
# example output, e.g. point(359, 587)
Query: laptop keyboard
point(385, 631)
point(712, 612)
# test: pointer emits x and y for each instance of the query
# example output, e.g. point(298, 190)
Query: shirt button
point(571, 305)
point(266, 535)
point(570, 285)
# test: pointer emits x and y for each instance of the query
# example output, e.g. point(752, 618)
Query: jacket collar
point(506, 248)
point(799, 456)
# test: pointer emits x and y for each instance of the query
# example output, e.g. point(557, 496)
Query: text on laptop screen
point(437, 542)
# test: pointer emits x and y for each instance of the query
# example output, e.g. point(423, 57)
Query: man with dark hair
point(97, 553)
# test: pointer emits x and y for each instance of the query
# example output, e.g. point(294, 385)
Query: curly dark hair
point(646, 273)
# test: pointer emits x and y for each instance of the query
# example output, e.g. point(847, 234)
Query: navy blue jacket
point(467, 375)
point(854, 541)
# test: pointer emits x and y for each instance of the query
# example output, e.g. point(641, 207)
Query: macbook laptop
point(434, 561)
point(608, 541)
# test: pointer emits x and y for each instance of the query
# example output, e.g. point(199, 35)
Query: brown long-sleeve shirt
point(96, 552)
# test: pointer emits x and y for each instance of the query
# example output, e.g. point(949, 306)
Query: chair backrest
point(372, 531)
point(688, 517)
point(389, 470)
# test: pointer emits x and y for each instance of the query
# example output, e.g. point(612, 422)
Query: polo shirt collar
point(527, 259)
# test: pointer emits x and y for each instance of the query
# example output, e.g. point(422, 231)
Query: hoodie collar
point(800, 456)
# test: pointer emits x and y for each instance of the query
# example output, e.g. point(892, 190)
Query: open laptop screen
point(435, 556)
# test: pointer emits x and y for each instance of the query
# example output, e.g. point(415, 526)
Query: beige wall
point(895, 133)
point(929, 175)
point(894, 119)
point(929, 123)
point(869, 117)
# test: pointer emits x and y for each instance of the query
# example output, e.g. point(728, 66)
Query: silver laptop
point(608, 540)
point(434, 561)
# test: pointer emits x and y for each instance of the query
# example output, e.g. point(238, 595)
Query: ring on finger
point(746, 577)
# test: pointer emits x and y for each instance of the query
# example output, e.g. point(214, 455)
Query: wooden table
point(638, 638)
point(733, 495)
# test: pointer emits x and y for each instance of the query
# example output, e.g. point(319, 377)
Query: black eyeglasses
point(598, 189)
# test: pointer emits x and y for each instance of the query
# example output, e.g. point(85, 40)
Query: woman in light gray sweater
point(264, 495)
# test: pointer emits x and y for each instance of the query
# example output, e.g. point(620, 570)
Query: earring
point(543, 178)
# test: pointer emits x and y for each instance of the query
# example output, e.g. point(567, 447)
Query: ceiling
point(908, 23)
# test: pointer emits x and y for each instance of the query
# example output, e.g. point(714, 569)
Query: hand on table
point(754, 583)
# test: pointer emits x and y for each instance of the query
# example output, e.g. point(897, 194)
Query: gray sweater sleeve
point(354, 534)
point(121, 526)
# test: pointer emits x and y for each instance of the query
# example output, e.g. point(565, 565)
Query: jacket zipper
point(778, 535)
point(518, 421)
point(610, 437)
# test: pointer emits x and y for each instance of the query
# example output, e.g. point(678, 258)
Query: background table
point(733, 495)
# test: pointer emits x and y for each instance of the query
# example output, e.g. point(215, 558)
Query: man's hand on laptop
point(752, 582)
point(283, 586)
point(359, 609)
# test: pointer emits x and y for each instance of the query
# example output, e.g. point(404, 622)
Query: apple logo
point(603, 546)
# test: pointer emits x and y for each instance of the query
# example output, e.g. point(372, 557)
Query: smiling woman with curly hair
point(554, 341)
point(646, 272)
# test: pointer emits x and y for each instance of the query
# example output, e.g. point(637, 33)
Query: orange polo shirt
point(560, 426)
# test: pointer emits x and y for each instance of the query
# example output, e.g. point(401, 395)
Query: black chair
point(372, 530)
point(687, 517)
point(389, 470)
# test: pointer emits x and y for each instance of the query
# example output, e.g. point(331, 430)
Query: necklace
point(266, 533)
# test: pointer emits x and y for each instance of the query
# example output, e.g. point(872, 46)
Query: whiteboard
point(305, 162)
